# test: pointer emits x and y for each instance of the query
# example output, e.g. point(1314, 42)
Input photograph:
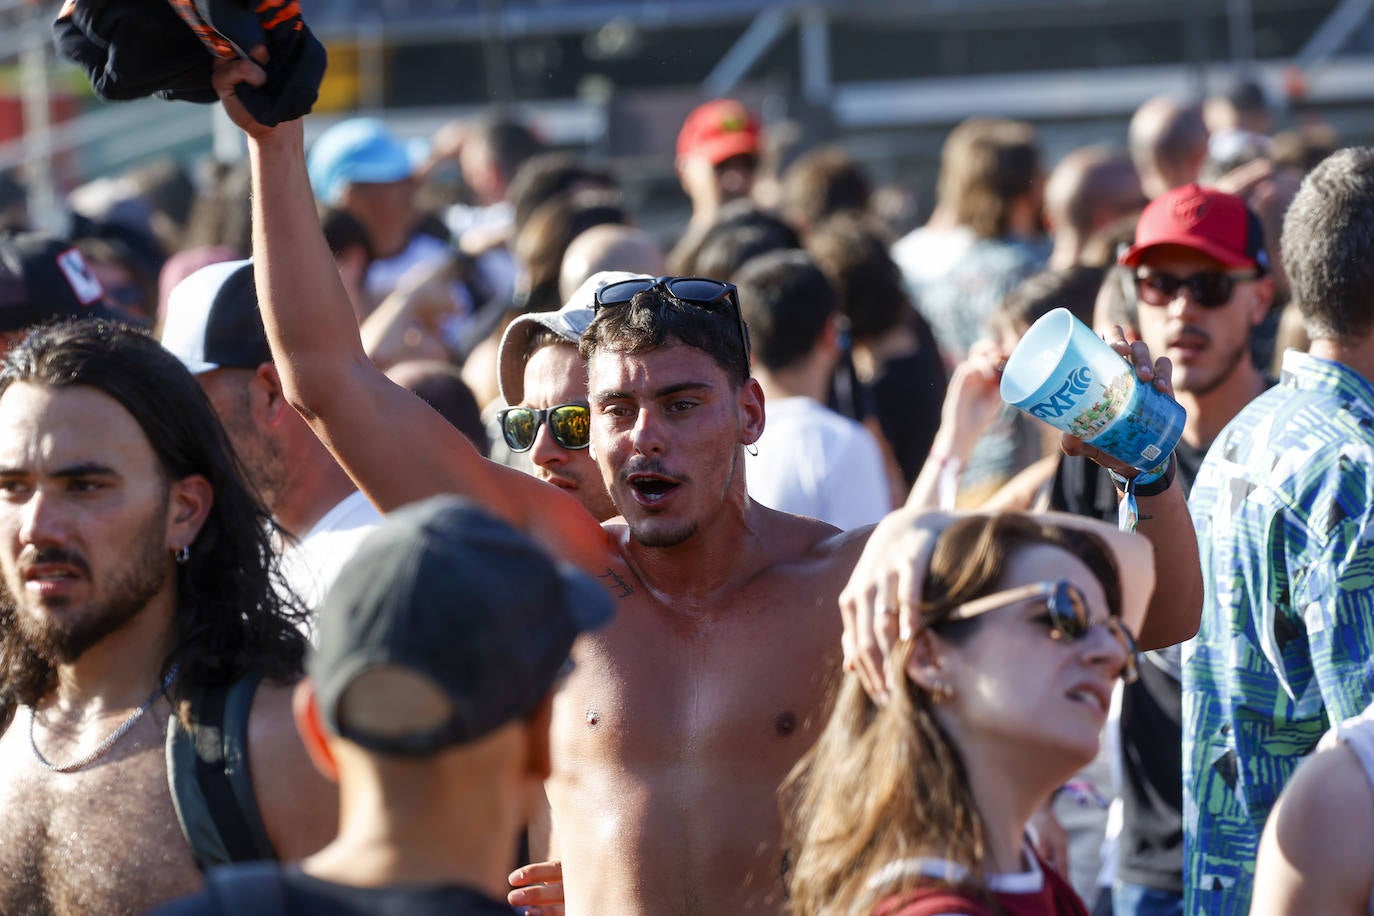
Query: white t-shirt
point(816, 463)
point(312, 564)
point(925, 255)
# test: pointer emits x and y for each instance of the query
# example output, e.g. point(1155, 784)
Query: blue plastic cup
point(1063, 373)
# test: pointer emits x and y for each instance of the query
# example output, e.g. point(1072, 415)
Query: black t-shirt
point(1150, 849)
point(266, 889)
point(905, 395)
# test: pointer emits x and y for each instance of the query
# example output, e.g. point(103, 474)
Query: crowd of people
point(372, 548)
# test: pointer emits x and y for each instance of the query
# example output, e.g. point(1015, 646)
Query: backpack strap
point(209, 777)
point(250, 889)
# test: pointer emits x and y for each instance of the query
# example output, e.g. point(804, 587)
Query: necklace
point(109, 742)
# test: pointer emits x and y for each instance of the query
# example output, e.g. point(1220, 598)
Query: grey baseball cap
point(568, 323)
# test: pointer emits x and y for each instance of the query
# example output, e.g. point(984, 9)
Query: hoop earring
point(752, 448)
point(183, 556)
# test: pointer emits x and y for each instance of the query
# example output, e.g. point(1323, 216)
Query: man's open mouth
point(650, 489)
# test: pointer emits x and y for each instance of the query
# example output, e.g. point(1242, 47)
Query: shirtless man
point(684, 714)
point(136, 568)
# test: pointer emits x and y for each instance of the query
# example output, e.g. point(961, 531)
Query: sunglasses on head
point(1209, 288)
point(702, 292)
point(1069, 616)
point(569, 424)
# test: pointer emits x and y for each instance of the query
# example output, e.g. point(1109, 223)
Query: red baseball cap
point(1213, 222)
point(719, 129)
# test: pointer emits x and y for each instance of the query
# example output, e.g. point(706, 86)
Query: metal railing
point(127, 132)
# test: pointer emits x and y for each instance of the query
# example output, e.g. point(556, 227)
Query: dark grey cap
point(444, 590)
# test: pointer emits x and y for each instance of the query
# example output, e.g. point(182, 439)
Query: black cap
point(213, 321)
point(445, 591)
point(43, 278)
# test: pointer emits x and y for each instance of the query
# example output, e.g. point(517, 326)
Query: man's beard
point(659, 538)
point(139, 579)
point(1233, 361)
point(258, 454)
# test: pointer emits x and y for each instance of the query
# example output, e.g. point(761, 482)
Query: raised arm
point(971, 403)
point(1164, 521)
point(1163, 518)
point(391, 443)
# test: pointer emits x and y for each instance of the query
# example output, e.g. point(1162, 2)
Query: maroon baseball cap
point(1213, 222)
point(718, 130)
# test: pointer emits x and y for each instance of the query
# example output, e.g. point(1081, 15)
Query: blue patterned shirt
point(1284, 511)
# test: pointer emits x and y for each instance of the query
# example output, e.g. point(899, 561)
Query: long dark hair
point(233, 614)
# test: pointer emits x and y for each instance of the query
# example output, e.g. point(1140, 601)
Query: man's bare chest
point(104, 839)
point(663, 690)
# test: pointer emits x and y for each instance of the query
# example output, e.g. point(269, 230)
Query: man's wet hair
point(231, 616)
point(654, 318)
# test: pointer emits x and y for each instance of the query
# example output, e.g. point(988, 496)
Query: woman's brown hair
point(887, 783)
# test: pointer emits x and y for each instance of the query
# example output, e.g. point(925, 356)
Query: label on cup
point(1117, 415)
point(1063, 373)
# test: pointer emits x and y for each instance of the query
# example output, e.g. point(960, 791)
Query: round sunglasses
point(569, 424)
point(1068, 613)
point(1209, 288)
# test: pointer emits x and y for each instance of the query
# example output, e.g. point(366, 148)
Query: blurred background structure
point(886, 79)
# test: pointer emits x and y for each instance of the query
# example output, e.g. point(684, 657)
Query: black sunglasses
point(569, 424)
point(1209, 288)
point(1069, 616)
point(699, 291)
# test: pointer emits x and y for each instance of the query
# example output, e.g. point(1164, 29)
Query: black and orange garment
point(135, 48)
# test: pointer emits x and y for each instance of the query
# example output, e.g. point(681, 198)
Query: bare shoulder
point(299, 806)
point(1330, 792)
point(1314, 855)
point(797, 541)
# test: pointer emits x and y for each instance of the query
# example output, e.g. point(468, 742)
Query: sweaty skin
point(106, 839)
point(675, 729)
point(683, 716)
point(101, 840)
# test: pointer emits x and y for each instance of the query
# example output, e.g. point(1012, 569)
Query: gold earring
point(941, 692)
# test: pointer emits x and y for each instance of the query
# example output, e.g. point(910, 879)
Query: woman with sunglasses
point(920, 806)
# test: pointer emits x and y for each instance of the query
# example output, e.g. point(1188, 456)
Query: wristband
point(1148, 483)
